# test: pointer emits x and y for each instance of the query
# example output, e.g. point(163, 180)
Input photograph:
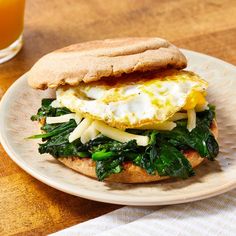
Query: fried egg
point(135, 100)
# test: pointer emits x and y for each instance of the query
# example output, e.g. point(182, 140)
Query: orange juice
point(11, 21)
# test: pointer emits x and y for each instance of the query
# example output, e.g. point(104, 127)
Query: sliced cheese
point(63, 118)
point(201, 107)
point(89, 134)
point(178, 116)
point(56, 104)
point(78, 131)
point(191, 119)
point(120, 135)
point(167, 125)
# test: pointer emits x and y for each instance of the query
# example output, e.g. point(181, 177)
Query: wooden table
point(29, 207)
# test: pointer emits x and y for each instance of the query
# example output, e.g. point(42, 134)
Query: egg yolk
point(195, 98)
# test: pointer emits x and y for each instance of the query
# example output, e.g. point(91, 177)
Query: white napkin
point(214, 216)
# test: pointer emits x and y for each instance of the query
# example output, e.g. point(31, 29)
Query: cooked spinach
point(56, 131)
point(47, 110)
point(110, 156)
point(162, 158)
point(163, 155)
point(171, 162)
point(107, 167)
point(200, 139)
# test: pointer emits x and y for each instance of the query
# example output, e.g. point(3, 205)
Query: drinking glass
point(11, 28)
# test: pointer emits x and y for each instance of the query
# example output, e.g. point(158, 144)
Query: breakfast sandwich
point(124, 110)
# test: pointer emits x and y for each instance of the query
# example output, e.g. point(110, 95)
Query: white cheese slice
point(120, 135)
point(78, 131)
point(203, 107)
point(63, 118)
point(89, 134)
point(167, 125)
point(56, 104)
point(178, 116)
point(191, 119)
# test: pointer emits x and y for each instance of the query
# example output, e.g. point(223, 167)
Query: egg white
point(132, 102)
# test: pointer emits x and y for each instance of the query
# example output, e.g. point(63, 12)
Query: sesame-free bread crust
point(94, 60)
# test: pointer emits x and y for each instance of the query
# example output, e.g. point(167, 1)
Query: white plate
point(211, 179)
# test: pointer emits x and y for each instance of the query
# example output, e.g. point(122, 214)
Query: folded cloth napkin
point(213, 216)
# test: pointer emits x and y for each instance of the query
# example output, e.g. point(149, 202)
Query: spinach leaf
point(102, 155)
point(57, 130)
point(212, 147)
point(57, 143)
point(146, 159)
point(112, 148)
point(199, 139)
point(206, 117)
point(162, 158)
point(110, 154)
point(171, 162)
point(107, 167)
point(46, 110)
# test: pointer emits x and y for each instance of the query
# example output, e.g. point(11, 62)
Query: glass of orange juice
point(11, 28)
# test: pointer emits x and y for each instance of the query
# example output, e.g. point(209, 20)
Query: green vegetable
point(48, 111)
point(171, 162)
point(83, 154)
point(102, 155)
point(200, 139)
point(163, 155)
point(162, 158)
point(108, 167)
point(57, 130)
point(58, 145)
point(109, 155)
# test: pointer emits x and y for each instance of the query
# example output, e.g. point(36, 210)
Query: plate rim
point(104, 197)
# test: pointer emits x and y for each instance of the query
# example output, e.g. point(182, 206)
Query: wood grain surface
point(29, 207)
